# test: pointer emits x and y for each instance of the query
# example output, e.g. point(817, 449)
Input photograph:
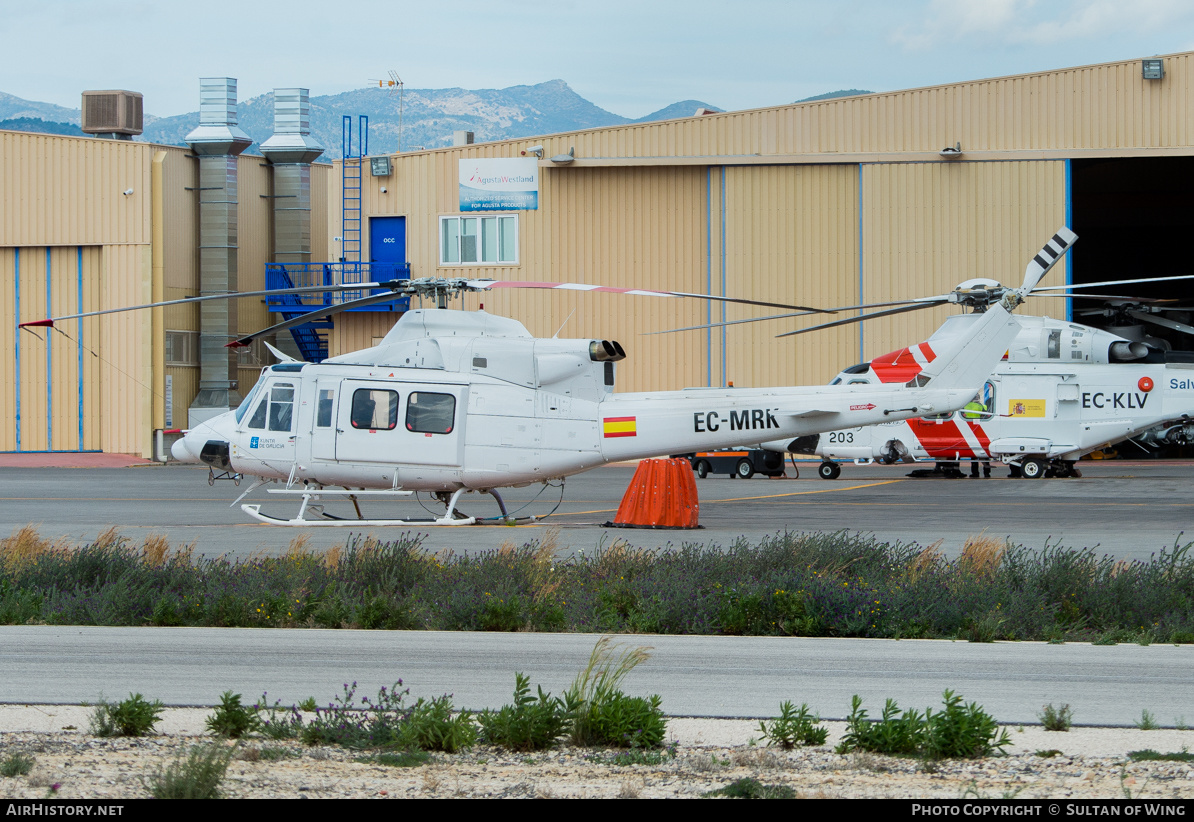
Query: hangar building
point(852, 200)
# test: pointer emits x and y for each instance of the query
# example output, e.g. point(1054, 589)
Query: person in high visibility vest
point(972, 411)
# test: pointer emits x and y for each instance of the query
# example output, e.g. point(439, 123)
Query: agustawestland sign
point(501, 184)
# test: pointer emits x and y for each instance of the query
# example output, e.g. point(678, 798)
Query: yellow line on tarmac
point(802, 493)
point(747, 499)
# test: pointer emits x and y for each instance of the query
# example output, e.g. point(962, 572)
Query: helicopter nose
point(181, 452)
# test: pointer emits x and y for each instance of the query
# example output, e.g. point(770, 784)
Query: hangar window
point(478, 240)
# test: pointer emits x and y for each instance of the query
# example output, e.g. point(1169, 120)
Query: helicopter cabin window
point(276, 408)
point(478, 240)
point(375, 409)
point(323, 412)
point(982, 407)
point(430, 413)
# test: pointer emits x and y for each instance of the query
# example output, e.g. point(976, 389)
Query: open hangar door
point(1134, 217)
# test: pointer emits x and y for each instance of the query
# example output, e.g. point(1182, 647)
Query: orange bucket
point(663, 494)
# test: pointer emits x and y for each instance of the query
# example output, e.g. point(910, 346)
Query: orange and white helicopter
point(452, 402)
point(1061, 391)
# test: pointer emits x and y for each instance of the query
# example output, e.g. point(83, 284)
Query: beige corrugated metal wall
point(929, 226)
point(622, 227)
point(791, 237)
point(824, 203)
point(65, 196)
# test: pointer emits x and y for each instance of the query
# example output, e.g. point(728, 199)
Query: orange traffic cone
point(663, 494)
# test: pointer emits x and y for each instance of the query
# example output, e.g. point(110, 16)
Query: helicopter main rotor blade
point(484, 285)
point(1164, 322)
point(863, 317)
point(317, 314)
point(788, 316)
point(1046, 258)
point(225, 295)
point(1115, 282)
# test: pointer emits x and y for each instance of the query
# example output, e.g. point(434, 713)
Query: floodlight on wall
point(536, 150)
point(1153, 68)
point(565, 159)
point(951, 152)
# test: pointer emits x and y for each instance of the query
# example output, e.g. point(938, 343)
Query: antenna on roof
point(395, 86)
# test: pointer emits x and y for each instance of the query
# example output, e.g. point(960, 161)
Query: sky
point(630, 57)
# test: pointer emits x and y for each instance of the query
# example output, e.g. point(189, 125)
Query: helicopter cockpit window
point(248, 403)
point(281, 407)
point(375, 409)
point(982, 407)
point(430, 413)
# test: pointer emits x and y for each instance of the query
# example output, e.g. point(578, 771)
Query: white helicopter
point(453, 402)
point(1061, 391)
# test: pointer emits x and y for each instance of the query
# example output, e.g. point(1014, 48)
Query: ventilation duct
point(217, 141)
point(291, 150)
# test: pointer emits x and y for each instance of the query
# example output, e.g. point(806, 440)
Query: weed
point(630, 790)
point(430, 726)
point(373, 724)
point(638, 756)
point(130, 717)
point(892, 734)
point(196, 776)
point(231, 719)
point(1056, 719)
point(398, 759)
point(793, 727)
point(958, 731)
point(308, 705)
point(750, 788)
point(530, 724)
point(1147, 721)
point(278, 722)
point(1149, 755)
point(16, 764)
point(971, 791)
point(601, 713)
point(1049, 754)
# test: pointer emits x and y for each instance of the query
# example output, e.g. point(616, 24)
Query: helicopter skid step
point(254, 510)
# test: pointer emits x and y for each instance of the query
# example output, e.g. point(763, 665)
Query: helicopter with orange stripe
point(1062, 391)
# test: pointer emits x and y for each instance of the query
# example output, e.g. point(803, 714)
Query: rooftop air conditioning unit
point(117, 113)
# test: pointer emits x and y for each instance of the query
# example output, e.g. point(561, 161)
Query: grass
point(601, 714)
point(134, 716)
point(795, 726)
point(1056, 719)
point(1147, 721)
point(957, 731)
point(783, 585)
point(1149, 755)
point(197, 775)
point(16, 764)
point(398, 759)
point(751, 788)
point(231, 719)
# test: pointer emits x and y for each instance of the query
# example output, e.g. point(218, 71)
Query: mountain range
point(428, 116)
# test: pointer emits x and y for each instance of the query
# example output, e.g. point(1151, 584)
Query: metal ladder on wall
point(350, 187)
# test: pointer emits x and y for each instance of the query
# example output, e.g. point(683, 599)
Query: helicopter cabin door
point(323, 430)
point(399, 423)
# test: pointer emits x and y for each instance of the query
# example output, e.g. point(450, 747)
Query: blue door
point(387, 244)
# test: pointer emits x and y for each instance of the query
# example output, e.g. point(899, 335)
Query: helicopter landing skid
point(320, 517)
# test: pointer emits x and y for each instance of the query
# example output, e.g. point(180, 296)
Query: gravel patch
point(708, 754)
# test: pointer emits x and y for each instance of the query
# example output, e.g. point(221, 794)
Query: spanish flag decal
point(620, 427)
